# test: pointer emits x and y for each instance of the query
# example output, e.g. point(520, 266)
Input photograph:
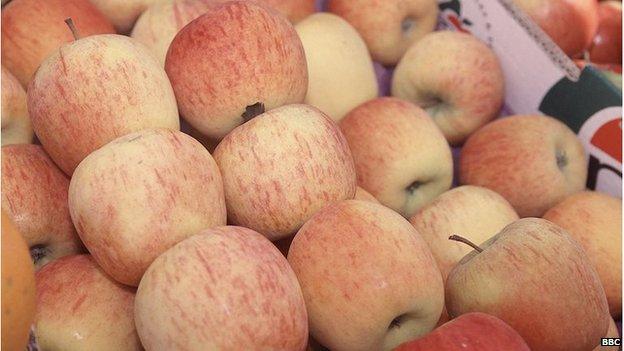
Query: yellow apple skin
point(594, 219)
point(340, 71)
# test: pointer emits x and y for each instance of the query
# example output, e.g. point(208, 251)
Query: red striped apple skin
point(532, 161)
point(141, 194)
point(227, 288)
point(33, 29)
point(79, 307)
point(300, 162)
point(474, 331)
point(34, 196)
point(235, 55)
point(94, 90)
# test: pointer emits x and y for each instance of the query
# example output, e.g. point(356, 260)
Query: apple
point(94, 90)
point(613, 332)
point(400, 156)
point(300, 162)
point(361, 194)
point(388, 27)
point(34, 196)
point(33, 29)
point(16, 126)
point(340, 71)
point(571, 24)
point(368, 278)
point(123, 13)
point(456, 78)
point(263, 67)
point(595, 220)
point(537, 279)
point(474, 331)
point(227, 288)
point(79, 307)
point(532, 161)
point(141, 194)
point(18, 288)
point(160, 23)
point(607, 43)
point(473, 212)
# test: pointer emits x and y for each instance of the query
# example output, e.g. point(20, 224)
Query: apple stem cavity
point(252, 111)
point(38, 252)
point(70, 23)
point(461, 239)
point(413, 187)
point(407, 25)
point(562, 159)
point(396, 322)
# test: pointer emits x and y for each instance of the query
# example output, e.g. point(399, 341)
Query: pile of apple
point(290, 208)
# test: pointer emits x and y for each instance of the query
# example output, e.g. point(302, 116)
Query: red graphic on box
point(608, 138)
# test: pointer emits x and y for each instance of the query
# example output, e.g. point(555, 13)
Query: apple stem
point(72, 27)
point(461, 239)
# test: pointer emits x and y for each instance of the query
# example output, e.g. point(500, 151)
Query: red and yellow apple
point(368, 278)
point(535, 277)
point(300, 162)
point(227, 288)
point(142, 193)
point(233, 63)
point(532, 161)
point(400, 156)
point(94, 90)
point(79, 307)
point(456, 78)
point(34, 197)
